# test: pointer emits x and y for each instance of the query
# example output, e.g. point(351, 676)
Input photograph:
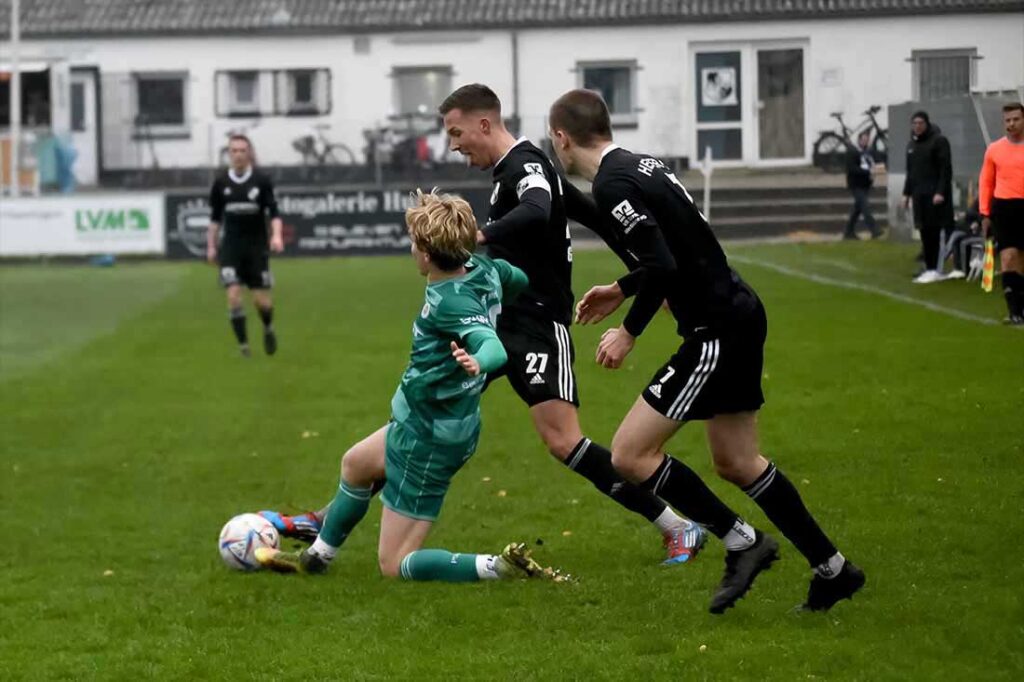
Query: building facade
point(754, 81)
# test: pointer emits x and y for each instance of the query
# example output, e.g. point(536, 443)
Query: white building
point(137, 84)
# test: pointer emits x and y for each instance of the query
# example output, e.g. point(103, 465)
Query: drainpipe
point(15, 98)
point(515, 81)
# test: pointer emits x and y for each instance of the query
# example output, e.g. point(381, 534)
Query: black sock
point(1013, 292)
point(782, 505)
point(238, 325)
point(681, 487)
point(267, 315)
point(594, 463)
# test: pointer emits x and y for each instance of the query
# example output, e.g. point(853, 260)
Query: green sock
point(440, 564)
point(347, 510)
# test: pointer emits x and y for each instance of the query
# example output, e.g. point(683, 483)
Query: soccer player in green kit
point(435, 413)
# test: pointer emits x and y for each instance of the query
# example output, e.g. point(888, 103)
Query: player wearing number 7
point(435, 413)
point(715, 376)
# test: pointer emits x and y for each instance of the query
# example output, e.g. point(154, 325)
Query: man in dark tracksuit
point(859, 163)
point(929, 187)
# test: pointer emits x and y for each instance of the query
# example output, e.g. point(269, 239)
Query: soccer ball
point(240, 538)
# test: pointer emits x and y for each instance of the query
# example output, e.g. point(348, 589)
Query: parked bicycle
point(318, 150)
point(831, 146)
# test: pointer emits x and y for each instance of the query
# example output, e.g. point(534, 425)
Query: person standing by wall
point(1001, 200)
point(929, 188)
point(859, 179)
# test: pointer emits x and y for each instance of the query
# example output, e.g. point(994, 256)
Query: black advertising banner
point(316, 223)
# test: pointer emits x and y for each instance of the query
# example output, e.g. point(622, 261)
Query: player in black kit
point(241, 199)
point(715, 376)
point(527, 227)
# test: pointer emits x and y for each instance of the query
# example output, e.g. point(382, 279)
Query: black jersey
point(527, 226)
point(672, 251)
point(242, 204)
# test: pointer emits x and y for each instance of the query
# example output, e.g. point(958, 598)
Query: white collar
point(236, 178)
point(608, 150)
point(515, 144)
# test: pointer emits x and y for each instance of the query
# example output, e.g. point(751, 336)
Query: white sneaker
point(956, 274)
point(927, 277)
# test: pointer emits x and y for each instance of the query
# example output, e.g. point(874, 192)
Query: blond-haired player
point(435, 413)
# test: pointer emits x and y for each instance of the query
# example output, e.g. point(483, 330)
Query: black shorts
point(245, 264)
point(1008, 223)
point(540, 357)
point(713, 373)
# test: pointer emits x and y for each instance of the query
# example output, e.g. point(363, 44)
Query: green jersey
point(437, 400)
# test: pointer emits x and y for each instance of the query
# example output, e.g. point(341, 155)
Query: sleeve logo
point(627, 215)
point(533, 168)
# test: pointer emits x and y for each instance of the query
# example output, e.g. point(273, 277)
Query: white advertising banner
point(82, 225)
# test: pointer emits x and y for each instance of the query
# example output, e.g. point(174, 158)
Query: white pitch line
point(846, 284)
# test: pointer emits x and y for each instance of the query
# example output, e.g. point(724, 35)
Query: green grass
point(131, 432)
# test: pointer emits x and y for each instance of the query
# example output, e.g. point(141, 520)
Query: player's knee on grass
point(390, 566)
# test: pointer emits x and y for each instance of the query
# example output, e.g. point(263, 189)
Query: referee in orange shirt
point(1001, 189)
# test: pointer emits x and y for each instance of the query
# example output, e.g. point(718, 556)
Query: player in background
point(435, 413)
point(241, 199)
point(715, 376)
point(1001, 200)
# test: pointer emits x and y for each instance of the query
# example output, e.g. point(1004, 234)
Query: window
point(78, 107)
point(943, 73)
point(160, 104)
point(616, 81)
point(244, 92)
point(303, 92)
point(420, 89)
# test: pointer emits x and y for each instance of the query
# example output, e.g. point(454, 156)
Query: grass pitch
point(131, 431)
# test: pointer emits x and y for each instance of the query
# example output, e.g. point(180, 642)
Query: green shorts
point(419, 472)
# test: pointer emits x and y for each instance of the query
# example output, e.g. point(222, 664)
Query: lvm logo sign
point(112, 221)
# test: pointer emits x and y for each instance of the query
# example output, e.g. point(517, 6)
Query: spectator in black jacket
point(929, 187)
point(859, 178)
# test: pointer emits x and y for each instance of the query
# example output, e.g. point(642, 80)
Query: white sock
point(741, 536)
point(830, 569)
point(669, 521)
point(485, 566)
point(322, 549)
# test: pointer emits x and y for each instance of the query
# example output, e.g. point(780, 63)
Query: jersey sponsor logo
point(478, 319)
point(627, 215)
point(533, 168)
point(253, 193)
point(655, 389)
point(494, 193)
point(426, 310)
point(227, 191)
point(537, 379)
point(648, 166)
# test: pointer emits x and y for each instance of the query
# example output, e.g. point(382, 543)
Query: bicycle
point(318, 150)
point(830, 148)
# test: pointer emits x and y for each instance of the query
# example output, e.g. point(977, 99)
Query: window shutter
point(322, 91)
point(222, 88)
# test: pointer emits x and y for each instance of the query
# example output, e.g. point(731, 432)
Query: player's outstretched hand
point(615, 345)
point(467, 361)
point(599, 303)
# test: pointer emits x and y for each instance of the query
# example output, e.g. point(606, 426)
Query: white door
point(84, 128)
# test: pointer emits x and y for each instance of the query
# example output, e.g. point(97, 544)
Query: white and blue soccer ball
point(242, 536)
